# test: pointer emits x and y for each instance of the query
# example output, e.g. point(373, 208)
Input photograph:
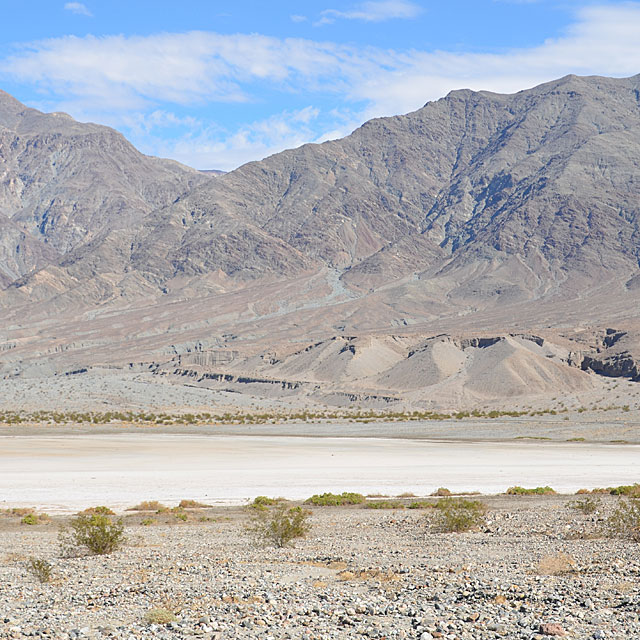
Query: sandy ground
point(64, 473)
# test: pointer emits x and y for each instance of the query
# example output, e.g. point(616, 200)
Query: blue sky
point(216, 84)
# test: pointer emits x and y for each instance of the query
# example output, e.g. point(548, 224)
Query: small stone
point(552, 629)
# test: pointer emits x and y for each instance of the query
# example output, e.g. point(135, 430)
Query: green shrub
point(280, 526)
point(159, 615)
point(149, 505)
point(97, 533)
point(30, 518)
point(383, 504)
point(625, 490)
point(587, 505)
point(442, 491)
point(35, 518)
point(538, 491)
point(335, 500)
point(624, 522)
point(100, 510)
point(454, 515)
point(422, 504)
point(262, 502)
point(41, 569)
point(192, 504)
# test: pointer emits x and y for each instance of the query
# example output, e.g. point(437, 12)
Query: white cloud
point(119, 72)
point(298, 18)
point(602, 41)
point(78, 8)
point(131, 82)
point(374, 11)
point(213, 148)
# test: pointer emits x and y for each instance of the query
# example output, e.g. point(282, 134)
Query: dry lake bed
point(62, 473)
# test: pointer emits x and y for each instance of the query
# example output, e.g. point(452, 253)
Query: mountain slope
point(548, 175)
point(543, 182)
point(64, 184)
point(480, 214)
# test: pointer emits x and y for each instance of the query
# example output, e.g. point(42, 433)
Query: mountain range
point(482, 248)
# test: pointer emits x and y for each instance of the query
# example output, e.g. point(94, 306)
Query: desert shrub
point(624, 522)
point(587, 505)
point(262, 502)
point(30, 518)
point(383, 504)
point(335, 500)
point(625, 490)
point(35, 518)
point(147, 522)
point(557, 564)
point(159, 615)
point(442, 491)
point(537, 491)
point(457, 515)
point(97, 533)
point(41, 569)
point(280, 526)
point(100, 510)
point(149, 505)
point(422, 504)
point(192, 504)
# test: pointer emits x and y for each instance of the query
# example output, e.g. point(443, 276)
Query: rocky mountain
point(478, 212)
point(544, 181)
point(64, 185)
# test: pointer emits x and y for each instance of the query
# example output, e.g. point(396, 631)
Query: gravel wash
point(362, 573)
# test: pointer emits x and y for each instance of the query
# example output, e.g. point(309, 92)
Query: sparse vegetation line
point(148, 418)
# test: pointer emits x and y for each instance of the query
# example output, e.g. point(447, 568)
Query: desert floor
point(537, 567)
point(66, 471)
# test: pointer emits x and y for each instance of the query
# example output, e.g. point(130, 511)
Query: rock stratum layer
point(484, 247)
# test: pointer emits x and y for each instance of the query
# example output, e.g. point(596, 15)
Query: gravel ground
point(361, 573)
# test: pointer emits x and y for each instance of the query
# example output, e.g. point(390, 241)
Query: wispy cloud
point(121, 72)
point(374, 11)
point(210, 146)
point(108, 79)
point(78, 8)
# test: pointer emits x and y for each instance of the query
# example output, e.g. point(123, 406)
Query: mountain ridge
point(477, 212)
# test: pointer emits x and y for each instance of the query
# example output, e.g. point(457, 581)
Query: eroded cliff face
point(617, 355)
